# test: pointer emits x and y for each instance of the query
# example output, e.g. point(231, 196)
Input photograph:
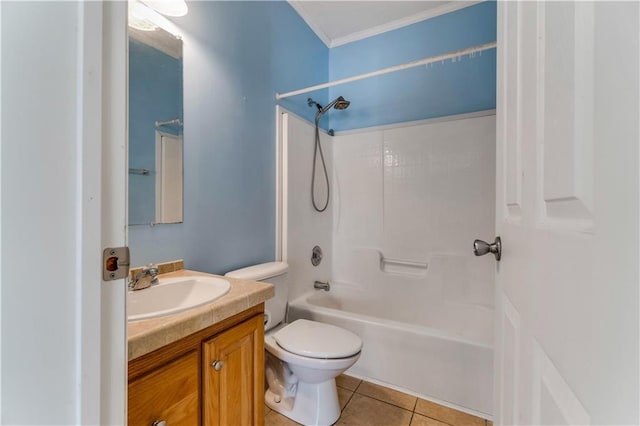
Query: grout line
point(348, 401)
point(433, 418)
point(347, 389)
point(385, 402)
point(391, 403)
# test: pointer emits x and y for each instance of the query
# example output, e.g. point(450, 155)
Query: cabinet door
point(233, 375)
point(169, 393)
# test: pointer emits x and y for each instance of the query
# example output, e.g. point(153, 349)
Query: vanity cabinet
point(232, 369)
point(212, 377)
point(169, 393)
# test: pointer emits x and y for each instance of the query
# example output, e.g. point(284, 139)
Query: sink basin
point(172, 295)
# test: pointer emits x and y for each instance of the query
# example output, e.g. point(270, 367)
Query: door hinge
point(115, 263)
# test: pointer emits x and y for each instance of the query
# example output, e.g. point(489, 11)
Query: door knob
point(217, 365)
point(480, 248)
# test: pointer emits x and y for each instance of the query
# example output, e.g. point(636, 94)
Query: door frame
point(112, 303)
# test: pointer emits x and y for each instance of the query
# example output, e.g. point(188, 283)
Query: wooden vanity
point(211, 376)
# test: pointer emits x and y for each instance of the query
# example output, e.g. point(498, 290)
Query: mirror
point(155, 128)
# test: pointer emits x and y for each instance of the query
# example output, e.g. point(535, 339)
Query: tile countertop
point(145, 336)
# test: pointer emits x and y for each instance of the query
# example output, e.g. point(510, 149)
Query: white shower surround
point(407, 202)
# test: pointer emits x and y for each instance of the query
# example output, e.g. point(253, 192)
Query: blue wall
point(237, 56)
point(423, 92)
point(155, 93)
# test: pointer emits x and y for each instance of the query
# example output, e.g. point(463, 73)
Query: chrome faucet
point(144, 278)
point(321, 285)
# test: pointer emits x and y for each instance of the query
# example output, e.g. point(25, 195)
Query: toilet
point(303, 358)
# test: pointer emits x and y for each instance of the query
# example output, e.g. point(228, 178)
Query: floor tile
point(276, 419)
point(489, 423)
point(391, 396)
point(418, 420)
point(267, 410)
point(362, 410)
point(344, 395)
point(347, 382)
point(446, 414)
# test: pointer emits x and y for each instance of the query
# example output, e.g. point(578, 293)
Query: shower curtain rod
point(425, 61)
point(175, 121)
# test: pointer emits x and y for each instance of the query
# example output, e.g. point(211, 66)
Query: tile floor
point(365, 403)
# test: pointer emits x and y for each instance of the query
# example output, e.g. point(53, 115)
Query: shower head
point(339, 103)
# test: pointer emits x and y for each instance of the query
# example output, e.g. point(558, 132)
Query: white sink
point(173, 295)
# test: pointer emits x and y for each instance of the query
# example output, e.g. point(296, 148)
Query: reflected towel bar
point(144, 172)
point(174, 122)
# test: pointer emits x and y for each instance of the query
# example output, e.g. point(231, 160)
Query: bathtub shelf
point(403, 267)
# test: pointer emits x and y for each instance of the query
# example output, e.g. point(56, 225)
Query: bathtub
point(438, 351)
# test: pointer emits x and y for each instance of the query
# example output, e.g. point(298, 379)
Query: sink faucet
point(321, 285)
point(144, 278)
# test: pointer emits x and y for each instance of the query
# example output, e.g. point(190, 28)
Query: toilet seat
point(317, 340)
point(305, 361)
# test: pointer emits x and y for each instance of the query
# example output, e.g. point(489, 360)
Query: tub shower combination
point(397, 240)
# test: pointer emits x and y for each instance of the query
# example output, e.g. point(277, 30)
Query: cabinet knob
point(159, 423)
point(217, 365)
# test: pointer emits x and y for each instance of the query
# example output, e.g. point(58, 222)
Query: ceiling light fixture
point(168, 7)
point(139, 17)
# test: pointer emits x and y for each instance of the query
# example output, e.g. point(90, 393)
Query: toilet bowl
point(302, 358)
point(301, 378)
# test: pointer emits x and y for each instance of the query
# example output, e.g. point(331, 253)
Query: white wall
point(417, 192)
point(422, 194)
point(306, 228)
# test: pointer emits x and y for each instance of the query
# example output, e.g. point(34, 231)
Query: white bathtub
point(442, 352)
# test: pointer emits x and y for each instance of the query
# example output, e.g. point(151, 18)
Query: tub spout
point(321, 285)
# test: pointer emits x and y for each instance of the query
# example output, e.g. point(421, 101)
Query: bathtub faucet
point(321, 286)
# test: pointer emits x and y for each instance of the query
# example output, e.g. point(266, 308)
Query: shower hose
point(318, 147)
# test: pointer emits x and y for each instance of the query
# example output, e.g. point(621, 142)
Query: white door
point(567, 212)
point(63, 199)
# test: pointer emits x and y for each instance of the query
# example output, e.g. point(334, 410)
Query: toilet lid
point(317, 340)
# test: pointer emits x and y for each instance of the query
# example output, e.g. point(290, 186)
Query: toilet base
point(314, 404)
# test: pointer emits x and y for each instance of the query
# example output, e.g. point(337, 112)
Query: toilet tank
point(276, 274)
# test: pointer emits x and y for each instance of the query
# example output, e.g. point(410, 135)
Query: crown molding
point(297, 6)
point(403, 22)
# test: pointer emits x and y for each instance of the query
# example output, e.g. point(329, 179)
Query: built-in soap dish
point(402, 266)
